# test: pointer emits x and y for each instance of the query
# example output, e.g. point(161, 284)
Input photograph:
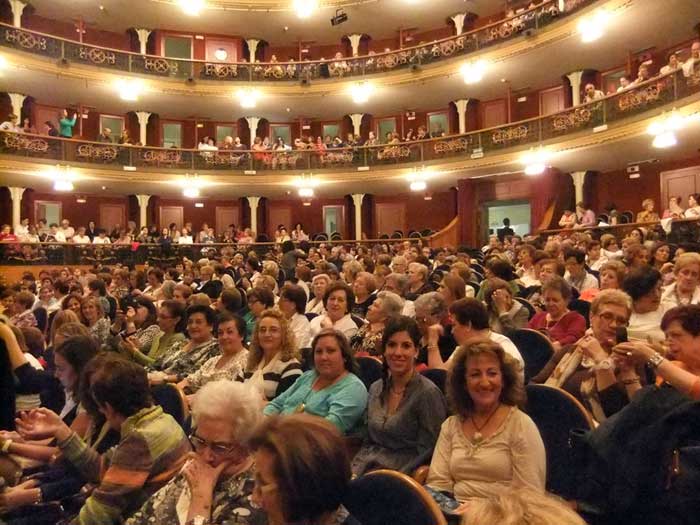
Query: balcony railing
point(425, 53)
point(655, 93)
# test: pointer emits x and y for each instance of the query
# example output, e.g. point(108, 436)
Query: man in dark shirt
point(505, 231)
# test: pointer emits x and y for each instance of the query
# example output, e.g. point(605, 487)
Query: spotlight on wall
point(360, 92)
point(304, 8)
point(473, 72)
point(191, 7)
point(535, 161)
point(664, 130)
point(340, 17)
point(129, 88)
point(247, 97)
point(593, 27)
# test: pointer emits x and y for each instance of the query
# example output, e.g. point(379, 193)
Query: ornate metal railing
point(653, 94)
point(424, 53)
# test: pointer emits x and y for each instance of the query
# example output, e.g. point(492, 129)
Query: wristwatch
point(604, 364)
point(655, 360)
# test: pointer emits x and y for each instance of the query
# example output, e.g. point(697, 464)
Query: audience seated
point(489, 446)
point(367, 341)
point(405, 409)
point(217, 481)
point(561, 325)
point(331, 389)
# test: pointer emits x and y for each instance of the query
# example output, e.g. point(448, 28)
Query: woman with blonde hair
point(272, 365)
point(521, 507)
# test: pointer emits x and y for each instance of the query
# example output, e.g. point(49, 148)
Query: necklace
point(478, 436)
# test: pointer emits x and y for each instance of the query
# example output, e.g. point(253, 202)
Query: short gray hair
point(433, 302)
point(236, 403)
point(401, 280)
point(421, 268)
point(392, 304)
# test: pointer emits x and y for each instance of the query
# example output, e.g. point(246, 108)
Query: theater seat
point(173, 401)
point(387, 497)
point(370, 370)
point(556, 413)
point(535, 348)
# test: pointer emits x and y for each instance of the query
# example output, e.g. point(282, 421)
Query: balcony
point(659, 92)
point(69, 51)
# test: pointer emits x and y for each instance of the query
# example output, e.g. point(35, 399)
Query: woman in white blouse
point(185, 237)
point(338, 302)
point(489, 446)
point(292, 303)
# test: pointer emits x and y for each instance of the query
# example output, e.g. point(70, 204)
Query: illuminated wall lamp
point(418, 185)
point(304, 8)
point(247, 98)
point(592, 28)
point(473, 72)
point(191, 7)
point(535, 161)
point(361, 92)
point(191, 193)
point(306, 193)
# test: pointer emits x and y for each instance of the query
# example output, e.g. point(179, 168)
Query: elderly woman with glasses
point(331, 389)
point(368, 339)
point(216, 483)
point(587, 370)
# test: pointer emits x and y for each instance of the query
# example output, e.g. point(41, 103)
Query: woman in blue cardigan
point(330, 390)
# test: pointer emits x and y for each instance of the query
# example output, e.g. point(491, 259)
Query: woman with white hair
point(216, 483)
point(521, 507)
point(368, 340)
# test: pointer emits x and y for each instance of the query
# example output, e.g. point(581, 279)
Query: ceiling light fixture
point(304, 8)
point(305, 186)
point(593, 27)
point(306, 192)
point(191, 7)
point(535, 161)
point(62, 176)
point(247, 97)
point(191, 186)
point(129, 89)
point(664, 129)
point(473, 72)
point(360, 92)
point(418, 179)
point(418, 185)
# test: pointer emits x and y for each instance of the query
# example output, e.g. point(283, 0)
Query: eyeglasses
point(609, 318)
point(271, 330)
point(219, 449)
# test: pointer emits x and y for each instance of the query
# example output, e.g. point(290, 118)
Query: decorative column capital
point(357, 199)
point(579, 178)
point(575, 80)
point(16, 192)
point(17, 7)
point(143, 200)
point(356, 119)
point(143, 35)
point(355, 43)
point(17, 101)
point(252, 126)
point(253, 201)
point(458, 20)
point(252, 47)
point(143, 117)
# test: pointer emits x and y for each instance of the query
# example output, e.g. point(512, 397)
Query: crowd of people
point(274, 354)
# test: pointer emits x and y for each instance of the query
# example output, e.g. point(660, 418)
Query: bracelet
point(655, 360)
point(6, 445)
point(633, 381)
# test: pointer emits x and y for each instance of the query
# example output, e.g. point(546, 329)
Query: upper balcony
point(601, 118)
point(67, 52)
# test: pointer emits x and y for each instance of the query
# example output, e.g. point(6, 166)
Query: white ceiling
point(378, 18)
point(646, 24)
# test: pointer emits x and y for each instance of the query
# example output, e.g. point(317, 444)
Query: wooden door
point(334, 220)
point(390, 217)
point(494, 113)
point(226, 215)
point(112, 215)
point(170, 214)
point(277, 215)
point(679, 183)
point(552, 100)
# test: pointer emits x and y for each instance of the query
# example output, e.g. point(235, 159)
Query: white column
point(356, 122)
point(252, 126)
point(143, 209)
point(17, 100)
point(461, 106)
point(143, 35)
point(458, 19)
point(562, 6)
point(357, 201)
point(575, 79)
point(253, 202)
point(579, 178)
point(17, 7)
point(355, 43)
point(252, 47)
point(143, 117)
point(16, 196)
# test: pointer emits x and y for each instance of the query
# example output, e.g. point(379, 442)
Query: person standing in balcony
point(66, 125)
point(11, 124)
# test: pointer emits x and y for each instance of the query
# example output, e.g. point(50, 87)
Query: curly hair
point(288, 349)
point(512, 392)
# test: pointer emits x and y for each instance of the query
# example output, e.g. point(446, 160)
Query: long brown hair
point(288, 349)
